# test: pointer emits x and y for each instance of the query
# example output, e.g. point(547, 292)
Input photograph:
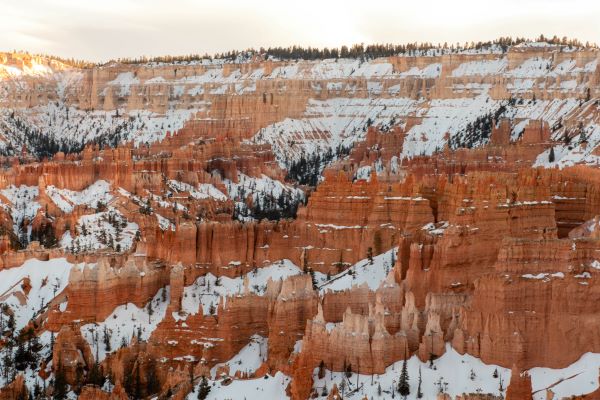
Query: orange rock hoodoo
point(496, 249)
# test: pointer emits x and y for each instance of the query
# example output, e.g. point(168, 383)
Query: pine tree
point(419, 392)
point(8, 364)
point(321, 373)
point(150, 311)
point(348, 371)
point(37, 390)
point(551, 156)
point(137, 382)
point(204, 389)
point(106, 339)
point(11, 322)
point(60, 383)
point(152, 382)
point(403, 386)
point(95, 376)
point(343, 386)
point(313, 278)
point(370, 255)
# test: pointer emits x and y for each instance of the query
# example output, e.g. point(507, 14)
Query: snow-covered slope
point(44, 280)
point(453, 373)
point(373, 274)
point(268, 196)
point(21, 206)
point(103, 230)
point(207, 291)
point(268, 387)
point(66, 200)
point(125, 323)
point(248, 359)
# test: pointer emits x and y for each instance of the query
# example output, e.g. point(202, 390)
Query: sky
point(97, 30)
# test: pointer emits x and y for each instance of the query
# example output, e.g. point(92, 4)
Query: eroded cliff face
point(289, 225)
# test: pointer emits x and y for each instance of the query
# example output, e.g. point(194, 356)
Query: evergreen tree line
point(314, 53)
point(44, 145)
point(308, 169)
point(45, 235)
point(267, 205)
point(478, 132)
point(21, 350)
point(361, 50)
point(275, 208)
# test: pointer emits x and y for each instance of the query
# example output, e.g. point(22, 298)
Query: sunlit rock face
point(280, 227)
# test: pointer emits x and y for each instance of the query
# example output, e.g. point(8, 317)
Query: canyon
point(295, 229)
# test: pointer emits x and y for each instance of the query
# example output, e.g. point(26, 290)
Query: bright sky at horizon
point(101, 30)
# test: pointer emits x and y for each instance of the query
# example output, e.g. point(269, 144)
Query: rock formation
point(281, 223)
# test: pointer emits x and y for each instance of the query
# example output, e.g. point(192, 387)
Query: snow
point(442, 117)
point(96, 231)
point(264, 191)
point(535, 45)
point(364, 273)
point(268, 387)
point(485, 67)
point(534, 67)
point(436, 229)
point(164, 223)
point(544, 275)
point(339, 227)
point(575, 153)
point(332, 69)
point(363, 173)
point(200, 192)
point(66, 199)
point(124, 322)
point(71, 125)
point(430, 71)
point(248, 359)
point(204, 292)
point(35, 67)
point(22, 205)
point(564, 67)
point(453, 368)
point(124, 81)
point(329, 124)
point(47, 279)
point(581, 377)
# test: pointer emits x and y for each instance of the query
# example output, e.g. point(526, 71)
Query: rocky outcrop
point(15, 390)
point(495, 257)
point(520, 386)
point(72, 354)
